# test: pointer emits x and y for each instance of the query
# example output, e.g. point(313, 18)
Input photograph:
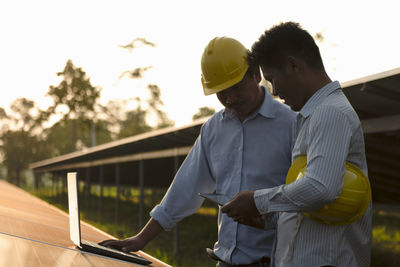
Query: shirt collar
point(266, 109)
point(318, 97)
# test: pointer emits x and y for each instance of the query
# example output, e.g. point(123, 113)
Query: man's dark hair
point(282, 40)
point(253, 65)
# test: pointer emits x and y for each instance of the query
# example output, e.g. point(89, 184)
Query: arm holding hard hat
point(328, 146)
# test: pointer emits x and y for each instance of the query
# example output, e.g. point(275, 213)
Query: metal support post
point(87, 187)
point(117, 184)
point(141, 196)
point(176, 243)
point(101, 183)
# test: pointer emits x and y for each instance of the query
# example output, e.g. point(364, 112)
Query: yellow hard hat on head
point(223, 64)
point(352, 202)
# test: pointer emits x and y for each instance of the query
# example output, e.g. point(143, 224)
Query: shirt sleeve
point(328, 141)
point(182, 197)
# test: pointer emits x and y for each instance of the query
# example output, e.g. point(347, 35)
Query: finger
point(225, 208)
point(233, 215)
point(106, 242)
point(228, 210)
point(230, 215)
point(116, 244)
point(133, 246)
point(236, 218)
point(129, 249)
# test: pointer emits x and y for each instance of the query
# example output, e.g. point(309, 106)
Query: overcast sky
point(38, 37)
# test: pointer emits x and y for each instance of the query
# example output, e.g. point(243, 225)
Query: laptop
point(75, 229)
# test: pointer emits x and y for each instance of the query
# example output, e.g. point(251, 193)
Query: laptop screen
point(74, 222)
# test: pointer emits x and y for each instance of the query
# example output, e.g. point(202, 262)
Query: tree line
point(75, 120)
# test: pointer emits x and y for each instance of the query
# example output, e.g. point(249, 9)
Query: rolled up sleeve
point(182, 199)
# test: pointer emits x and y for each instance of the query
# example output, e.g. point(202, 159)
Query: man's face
point(284, 85)
point(242, 98)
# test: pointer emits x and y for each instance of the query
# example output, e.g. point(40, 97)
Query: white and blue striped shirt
point(329, 132)
point(230, 156)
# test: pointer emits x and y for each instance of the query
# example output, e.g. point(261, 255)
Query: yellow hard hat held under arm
point(352, 202)
point(223, 64)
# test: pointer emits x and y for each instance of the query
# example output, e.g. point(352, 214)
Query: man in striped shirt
point(328, 131)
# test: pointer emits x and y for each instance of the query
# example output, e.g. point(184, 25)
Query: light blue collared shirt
point(230, 156)
point(329, 132)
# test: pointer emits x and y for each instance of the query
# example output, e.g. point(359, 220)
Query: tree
point(136, 120)
point(58, 136)
point(134, 123)
point(26, 116)
point(16, 153)
point(136, 43)
point(155, 104)
point(203, 112)
point(319, 37)
point(76, 92)
point(20, 145)
point(79, 97)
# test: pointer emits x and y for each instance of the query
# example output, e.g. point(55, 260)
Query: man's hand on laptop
point(134, 243)
point(137, 242)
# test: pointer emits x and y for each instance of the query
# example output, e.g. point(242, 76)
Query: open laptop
point(75, 229)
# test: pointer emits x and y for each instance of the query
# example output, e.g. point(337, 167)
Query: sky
point(38, 37)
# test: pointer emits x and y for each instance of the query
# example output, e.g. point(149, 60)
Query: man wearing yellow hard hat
point(323, 213)
point(245, 146)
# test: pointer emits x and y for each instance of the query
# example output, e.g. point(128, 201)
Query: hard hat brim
point(223, 86)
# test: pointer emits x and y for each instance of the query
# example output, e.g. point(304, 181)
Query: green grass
point(199, 231)
point(386, 237)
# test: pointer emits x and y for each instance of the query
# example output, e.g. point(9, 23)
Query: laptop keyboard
point(94, 244)
point(114, 252)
